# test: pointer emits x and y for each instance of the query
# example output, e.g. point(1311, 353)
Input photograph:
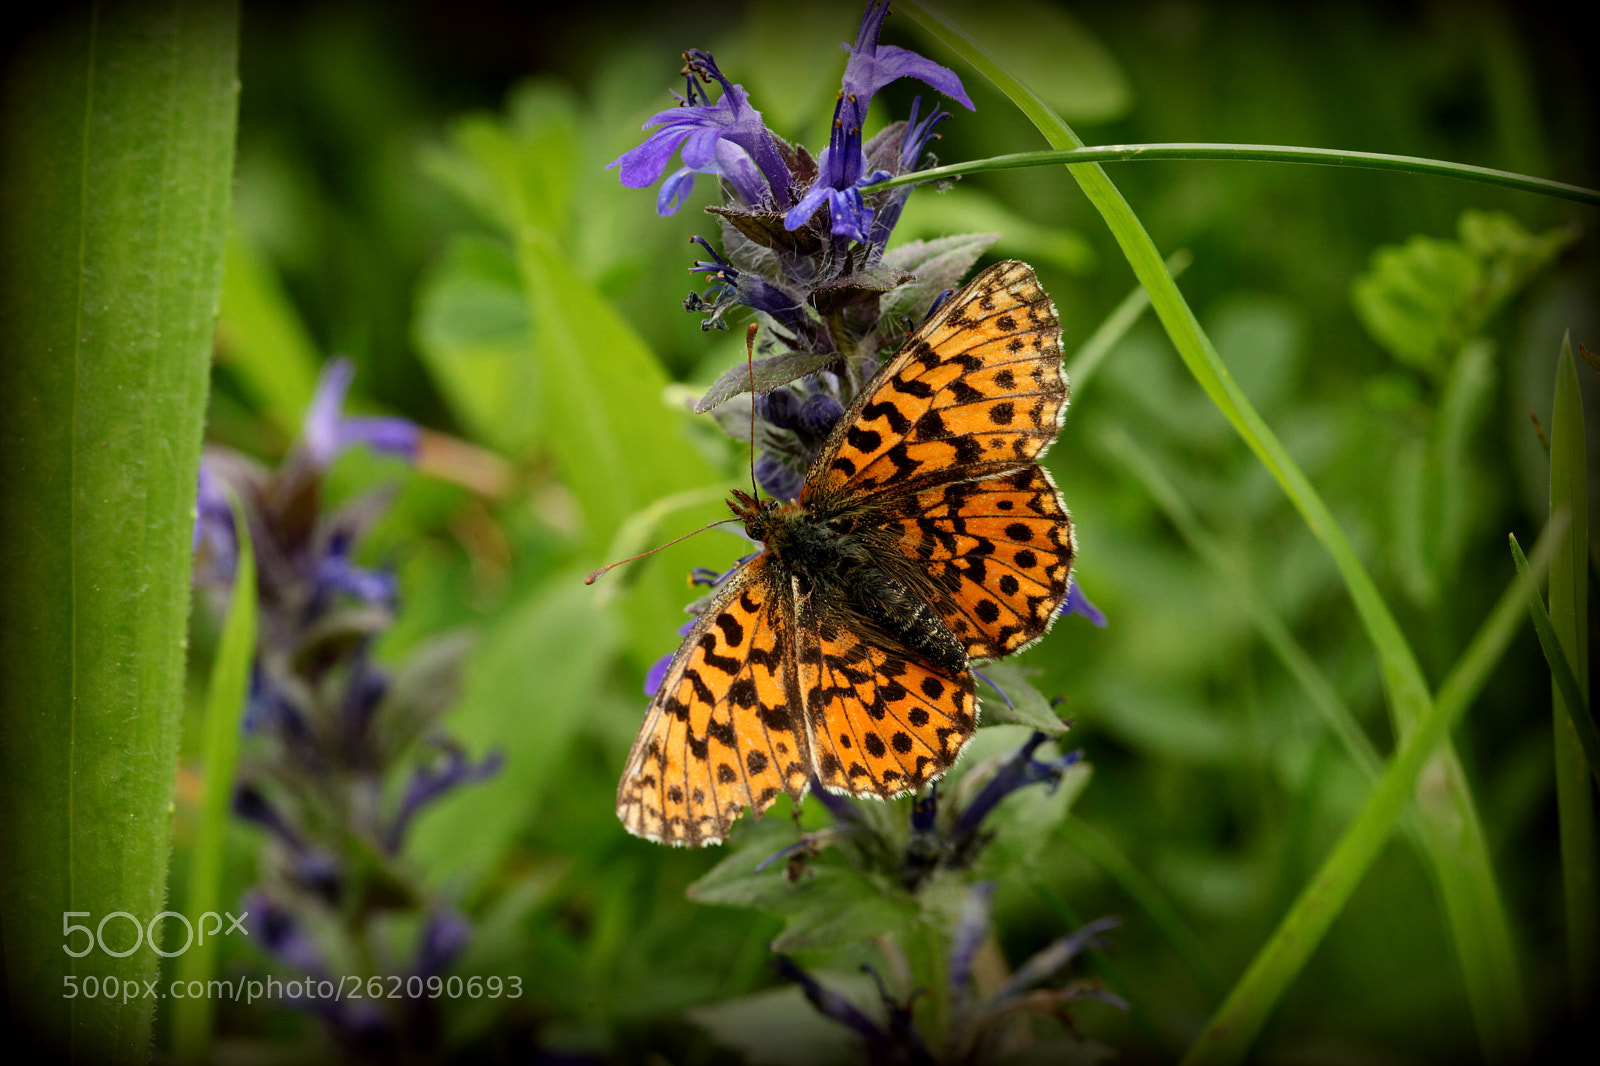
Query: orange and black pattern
point(926, 535)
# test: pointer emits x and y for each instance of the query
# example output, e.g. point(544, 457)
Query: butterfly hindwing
point(719, 736)
point(1003, 547)
point(881, 722)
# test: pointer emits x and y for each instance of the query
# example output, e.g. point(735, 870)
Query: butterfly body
point(925, 535)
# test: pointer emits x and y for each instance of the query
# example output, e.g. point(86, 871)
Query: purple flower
point(430, 781)
point(443, 938)
point(842, 165)
point(730, 285)
point(873, 65)
point(329, 431)
point(971, 930)
point(213, 523)
point(727, 138)
point(1021, 770)
point(276, 929)
point(335, 573)
point(250, 804)
point(1078, 603)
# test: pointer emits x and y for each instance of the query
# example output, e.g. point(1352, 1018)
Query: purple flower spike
point(727, 138)
point(842, 165)
point(328, 431)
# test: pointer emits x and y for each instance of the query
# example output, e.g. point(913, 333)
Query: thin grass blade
point(225, 702)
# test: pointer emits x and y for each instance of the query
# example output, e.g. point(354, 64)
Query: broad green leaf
point(473, 334)
point(226, 696)
point(526, 690)
point(118, 151)
point(1423, 300)
point(1009, 697)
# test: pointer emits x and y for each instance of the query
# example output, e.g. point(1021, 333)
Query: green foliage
point(1424, 300)
point(118, 134)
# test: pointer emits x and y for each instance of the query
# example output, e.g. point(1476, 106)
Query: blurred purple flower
point(971, 930)
point(443, 938)
point(1020, 771)
point(430, 781)
point(329, 431)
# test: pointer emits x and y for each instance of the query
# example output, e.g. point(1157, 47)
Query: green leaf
point(225, 702)
point(262, 340)
point(1423, 300)
point(1562, 678)
point(527, 688)
point(118, 149)
point(831, 905)
point(474, 336)
point(1010, 698)
point(1569, 615)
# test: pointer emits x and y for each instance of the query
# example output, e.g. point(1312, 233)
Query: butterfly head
point(757, 515)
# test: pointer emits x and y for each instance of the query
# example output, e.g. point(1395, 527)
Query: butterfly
point(925, 536)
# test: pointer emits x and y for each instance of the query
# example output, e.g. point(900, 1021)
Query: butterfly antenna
point(750, 361)
point(595, 574)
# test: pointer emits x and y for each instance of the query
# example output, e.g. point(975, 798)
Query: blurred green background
point(393, 159)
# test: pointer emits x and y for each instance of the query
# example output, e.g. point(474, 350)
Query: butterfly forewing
point(719, 736)
point(977, 388)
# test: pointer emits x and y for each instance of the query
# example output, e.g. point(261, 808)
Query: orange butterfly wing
point(718, 736)
point(946, 440)
point(881, 722)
